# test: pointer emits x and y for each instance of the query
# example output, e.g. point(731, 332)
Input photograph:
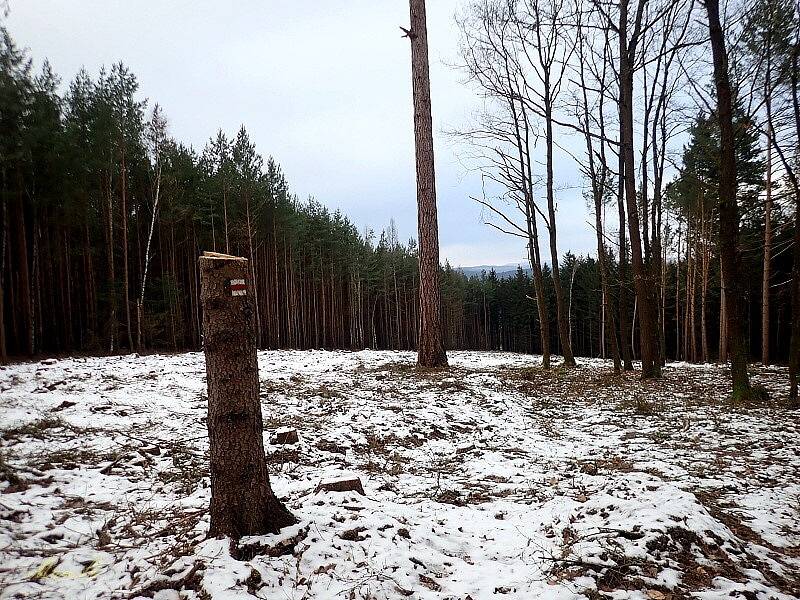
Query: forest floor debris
point(493, 479)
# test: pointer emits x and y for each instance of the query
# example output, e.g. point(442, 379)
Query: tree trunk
point(242, 502)
point(688, 290)
point(153, 217)
point(538, 286)
point(569, 307)
point(112, 285)
point(561, 313)
point(252, 270)
point(648, 330)
point(765, 282)
point(624, 303)
point(663, 294)
point(602, 258)
point(723, 323)
point(225, 215)
point(36, 287)
point(533, 242)
point(794, 344)
point(692, 288)
point(678, 296)
point(24, 273)
point(3, 252)
point(430, 350)
point(3, 351)
point(728, 209)
point(705, 264)
point(125, 281)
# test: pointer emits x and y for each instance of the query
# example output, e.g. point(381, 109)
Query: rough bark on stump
point(242, 502)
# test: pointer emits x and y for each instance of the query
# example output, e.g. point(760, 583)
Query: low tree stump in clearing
point(285, 436)
point(352, 484)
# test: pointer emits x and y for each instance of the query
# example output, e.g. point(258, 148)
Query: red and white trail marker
point(238, 287)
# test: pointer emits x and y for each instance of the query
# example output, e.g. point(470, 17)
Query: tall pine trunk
point(430, 350)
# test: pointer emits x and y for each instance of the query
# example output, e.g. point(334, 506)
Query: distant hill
point(502, 271)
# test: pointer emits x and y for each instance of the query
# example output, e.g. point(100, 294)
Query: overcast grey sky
point(323, 86)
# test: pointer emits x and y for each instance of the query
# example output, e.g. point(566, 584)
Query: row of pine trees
point(103, 216)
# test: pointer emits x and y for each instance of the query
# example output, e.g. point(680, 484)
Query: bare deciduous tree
point(592, 115)
point(502, 139)
point(547, 50)
point(728, 208)
point(518, 53)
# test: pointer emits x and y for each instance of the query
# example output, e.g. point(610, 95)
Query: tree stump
point(285, 436)
point(242, 501)
point(352, 484)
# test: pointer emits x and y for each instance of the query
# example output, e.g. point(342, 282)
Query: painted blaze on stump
point(242, 502)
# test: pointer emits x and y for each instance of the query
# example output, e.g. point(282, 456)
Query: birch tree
point(156, 135)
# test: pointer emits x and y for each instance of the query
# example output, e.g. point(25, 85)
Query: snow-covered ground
point(490, 480)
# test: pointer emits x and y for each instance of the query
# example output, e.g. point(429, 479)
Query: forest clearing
point(539, 336)
point(493, 479)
